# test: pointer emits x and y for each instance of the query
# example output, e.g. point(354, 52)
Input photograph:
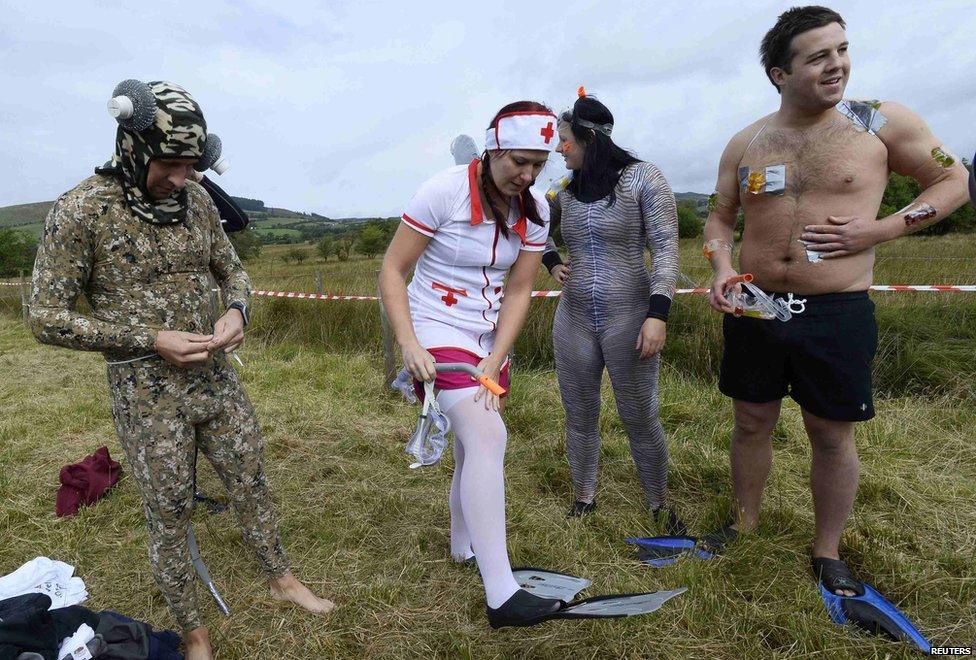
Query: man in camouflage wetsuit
point(145, 248)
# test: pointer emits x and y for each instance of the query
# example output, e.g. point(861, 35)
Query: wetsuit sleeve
point(61, 273)
point(659, 215)
point(232, 217)
point(550, 256)
point(428, 208)
point(225, 265)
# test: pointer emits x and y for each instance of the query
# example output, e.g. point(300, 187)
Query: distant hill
point(698, 198)
point(30, 217)
point(23, 214)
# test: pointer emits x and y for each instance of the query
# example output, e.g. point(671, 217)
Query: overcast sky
point(344, 108)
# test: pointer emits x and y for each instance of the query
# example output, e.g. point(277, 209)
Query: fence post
point(24, 296)
point(389, 354)
point(318, 282)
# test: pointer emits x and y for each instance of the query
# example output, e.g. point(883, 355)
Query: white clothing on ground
point(45, 576)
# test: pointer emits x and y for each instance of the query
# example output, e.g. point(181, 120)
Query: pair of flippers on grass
point(868, 610)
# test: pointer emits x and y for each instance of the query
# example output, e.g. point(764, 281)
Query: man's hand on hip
point(182, 349)
point(228, 332)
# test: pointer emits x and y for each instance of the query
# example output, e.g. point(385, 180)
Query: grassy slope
point(25, 217)
point(367, 531)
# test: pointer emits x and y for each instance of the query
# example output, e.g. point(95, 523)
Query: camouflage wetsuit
point(140, 277)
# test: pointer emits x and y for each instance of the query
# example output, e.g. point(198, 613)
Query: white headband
point(529, 129)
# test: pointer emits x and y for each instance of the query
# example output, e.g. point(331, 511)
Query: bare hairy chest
point(834, 159)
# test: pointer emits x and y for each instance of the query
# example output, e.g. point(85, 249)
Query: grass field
point(368, 532)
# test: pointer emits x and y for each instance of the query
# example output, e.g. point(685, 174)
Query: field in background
point(367, 531)
point(926, 339)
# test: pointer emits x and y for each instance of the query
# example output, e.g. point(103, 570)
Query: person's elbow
point(43, 324)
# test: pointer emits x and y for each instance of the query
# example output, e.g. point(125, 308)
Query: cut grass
point(363, 529)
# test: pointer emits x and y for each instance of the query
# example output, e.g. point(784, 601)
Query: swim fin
point(550, 584)
point(464, 149)
point(660, 551)
point(874, 613)
point(527, 608)
point(618, 605)
point(201, 568)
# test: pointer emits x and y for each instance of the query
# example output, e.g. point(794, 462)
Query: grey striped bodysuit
point(604, 303)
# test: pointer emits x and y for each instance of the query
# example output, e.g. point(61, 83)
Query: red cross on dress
point(449, 299)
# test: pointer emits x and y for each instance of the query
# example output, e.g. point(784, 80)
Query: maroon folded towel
point(86, 482)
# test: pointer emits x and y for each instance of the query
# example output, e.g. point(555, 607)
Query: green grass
point(278, 232)
point(371, 534)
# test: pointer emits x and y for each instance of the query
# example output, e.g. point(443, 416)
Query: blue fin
point(660, 551)
point(874, 613)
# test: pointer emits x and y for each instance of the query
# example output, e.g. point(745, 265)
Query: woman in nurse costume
point(474, 235)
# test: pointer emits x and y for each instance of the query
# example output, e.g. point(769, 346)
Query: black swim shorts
point(821, 357)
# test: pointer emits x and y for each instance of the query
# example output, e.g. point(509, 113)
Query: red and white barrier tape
point(938, 288)
point(309, 296)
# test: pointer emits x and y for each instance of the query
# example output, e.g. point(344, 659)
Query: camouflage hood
point(179, 131)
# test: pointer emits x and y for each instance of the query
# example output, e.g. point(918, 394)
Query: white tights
point(477, 498)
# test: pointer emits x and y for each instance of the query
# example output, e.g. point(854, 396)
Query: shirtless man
point(810, 178)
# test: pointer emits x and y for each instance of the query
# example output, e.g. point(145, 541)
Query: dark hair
point(528, 201)
point(603, 160)
point(776, 50)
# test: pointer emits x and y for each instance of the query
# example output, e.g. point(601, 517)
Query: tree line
point(368, 239)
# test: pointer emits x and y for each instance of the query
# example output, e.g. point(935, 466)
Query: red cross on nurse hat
point(527, 129)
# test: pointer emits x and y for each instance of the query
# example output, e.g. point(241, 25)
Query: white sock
point(478, 490)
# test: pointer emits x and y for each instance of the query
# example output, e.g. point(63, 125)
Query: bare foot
point(288, 588)
point(197, 643)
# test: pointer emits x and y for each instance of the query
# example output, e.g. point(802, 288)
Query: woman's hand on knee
point(419, 362)
point(651, 338)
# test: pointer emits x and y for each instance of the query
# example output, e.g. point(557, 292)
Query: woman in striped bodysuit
point(612, 312)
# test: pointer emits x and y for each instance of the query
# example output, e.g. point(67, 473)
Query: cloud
point(344, 108)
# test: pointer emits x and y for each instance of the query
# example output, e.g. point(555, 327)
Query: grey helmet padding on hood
point(178, 131)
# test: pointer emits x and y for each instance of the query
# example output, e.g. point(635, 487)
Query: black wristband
point(659, 307)
point(242, 308)
point(551, 259)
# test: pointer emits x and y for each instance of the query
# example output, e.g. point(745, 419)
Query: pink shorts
point(458, 381)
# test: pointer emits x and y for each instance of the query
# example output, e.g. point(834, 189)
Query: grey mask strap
point(601, 128)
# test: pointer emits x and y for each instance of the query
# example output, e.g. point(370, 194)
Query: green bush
point(17, 250)
point(247, 243)
point(689, 223)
